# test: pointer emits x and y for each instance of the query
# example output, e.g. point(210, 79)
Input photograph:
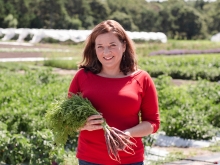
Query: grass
point(70, 159)
point(171, 158)
point(143, 49)
point(214, 147)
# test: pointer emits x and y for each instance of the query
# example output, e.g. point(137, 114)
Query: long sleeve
point(149, 105)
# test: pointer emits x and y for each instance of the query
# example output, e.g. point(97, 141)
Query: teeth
point(108, 58)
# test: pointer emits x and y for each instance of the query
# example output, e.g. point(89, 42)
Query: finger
point(94, 117)
point(91, 127)
point(94, 127)
point(95, 121)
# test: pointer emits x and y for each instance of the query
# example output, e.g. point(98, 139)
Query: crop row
point(193, 67)
point(184, 52)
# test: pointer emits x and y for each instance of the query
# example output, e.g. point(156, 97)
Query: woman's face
point(109, 50)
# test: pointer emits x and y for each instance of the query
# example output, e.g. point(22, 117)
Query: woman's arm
point(150, 116)
point(140, 130)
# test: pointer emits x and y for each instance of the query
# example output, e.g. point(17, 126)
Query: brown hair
point(90, 61)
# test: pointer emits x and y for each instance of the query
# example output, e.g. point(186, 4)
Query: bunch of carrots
point(67, 116)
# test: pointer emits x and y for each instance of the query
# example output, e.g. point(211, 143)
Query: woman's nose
point(106, 50)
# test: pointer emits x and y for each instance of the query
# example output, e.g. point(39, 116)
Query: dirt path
point(20, 54)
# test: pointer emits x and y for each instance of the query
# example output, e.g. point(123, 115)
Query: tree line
point(176, 18)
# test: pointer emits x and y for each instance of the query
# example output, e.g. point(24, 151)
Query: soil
point(20, 54)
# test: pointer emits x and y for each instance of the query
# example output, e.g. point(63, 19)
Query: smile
point(108, 58)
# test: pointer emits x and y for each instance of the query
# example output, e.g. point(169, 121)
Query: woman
point(109, 78)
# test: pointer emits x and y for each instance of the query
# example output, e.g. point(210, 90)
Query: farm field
point(188, 88)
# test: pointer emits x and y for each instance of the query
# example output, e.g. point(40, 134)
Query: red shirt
point(119, 100)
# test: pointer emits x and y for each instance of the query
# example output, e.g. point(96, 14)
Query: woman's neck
point(114, 73)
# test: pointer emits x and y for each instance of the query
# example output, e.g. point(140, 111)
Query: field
point(188, 89)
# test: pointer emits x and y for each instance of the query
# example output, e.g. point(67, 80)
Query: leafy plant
point(14, 149)
point(193, 67)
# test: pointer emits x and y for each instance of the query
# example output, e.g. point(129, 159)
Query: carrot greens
point(67, 116)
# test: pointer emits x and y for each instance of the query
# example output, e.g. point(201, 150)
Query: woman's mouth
point(108, 58)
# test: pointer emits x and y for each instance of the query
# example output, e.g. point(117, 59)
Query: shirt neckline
point(120, 78)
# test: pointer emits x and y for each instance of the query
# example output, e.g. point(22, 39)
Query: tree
point(100, 10)
point(125, 20)
point(186, 22)
point(53, 15)
point(2, 13)
point(129, 8)
point(81, 10)
point(24, 14)
point(10, 21)
point(199, 5)
point(8, 14)
point(165, 21)
point(213, 16)
point(149, 20)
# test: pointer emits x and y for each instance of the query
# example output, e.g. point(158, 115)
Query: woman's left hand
point(93, 123)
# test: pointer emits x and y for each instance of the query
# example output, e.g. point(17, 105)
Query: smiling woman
point(109, 52)
point(106, 37)
point(119, 91)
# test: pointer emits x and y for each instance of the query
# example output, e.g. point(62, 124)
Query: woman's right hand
point(93, 123)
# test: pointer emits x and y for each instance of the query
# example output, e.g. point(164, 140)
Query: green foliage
point(212, 14)
point(70, 158)
point(35, 148)
point(187, 110)
point(188, 67)
point(13, 149)
point(42, 147)
point(67, 116)
point(177, 19)
point(74, 23)
point(100, 10)
point(188, 124)
point(215, 147)
point(64, 64)
point(17, 121)
point(12, 67)
point(10, 21)
point(125, 20)
point(26, 95)
point(151, 19)
point(186, 22)
point(2, 12)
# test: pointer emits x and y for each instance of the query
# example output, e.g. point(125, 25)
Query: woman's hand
point(93, 123)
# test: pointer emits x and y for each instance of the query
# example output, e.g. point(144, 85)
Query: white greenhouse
point(75, 35)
